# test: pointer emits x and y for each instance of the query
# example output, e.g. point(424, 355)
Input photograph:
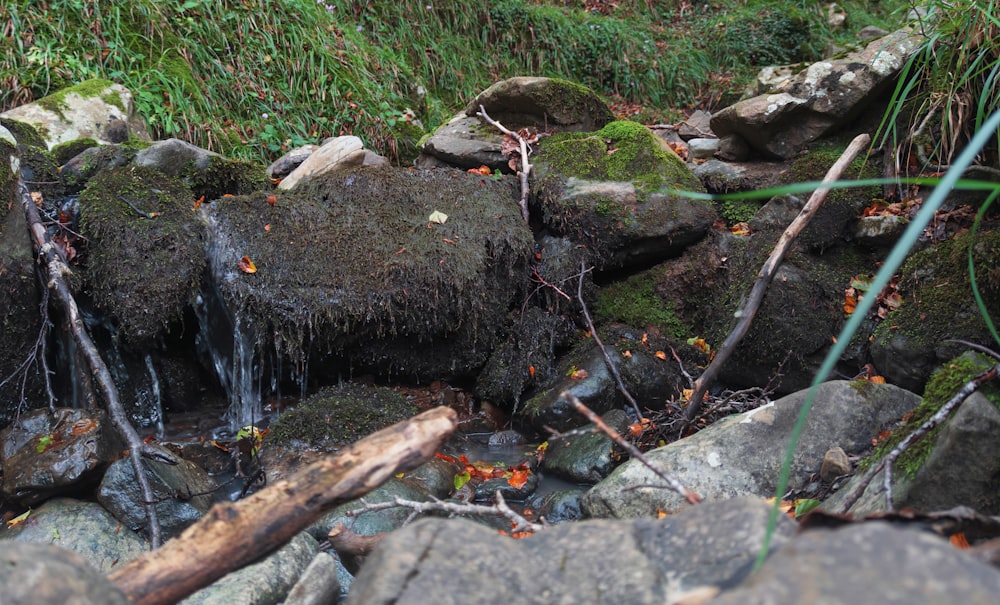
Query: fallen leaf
point(272, 200)
point(246, 265)
point(483, 170)
point(198, 202)
point(438, 217)
point(740, 229)
point(578, 374)
point(660, 355)
point(519, 478)
point(19, 519)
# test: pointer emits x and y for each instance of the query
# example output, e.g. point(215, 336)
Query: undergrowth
point(252, 78)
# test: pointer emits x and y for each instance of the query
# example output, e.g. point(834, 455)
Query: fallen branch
point(525, 166)
point(672, 482)
point(56, 269)
point(940, 416)
point(764, 277)
point(600, 345)
point(233, 534)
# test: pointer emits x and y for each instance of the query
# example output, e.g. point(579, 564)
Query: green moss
point(64, 152)
point(56, 102)
point(737, 211)
point(223, 177)
point(943, 385)
point(635, 302)
point(26, 134)
point(340, 415)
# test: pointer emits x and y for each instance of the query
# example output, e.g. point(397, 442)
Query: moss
point(143, 270)
point(737, 211)
point(226, 177)
point(56, 102)
point(635, 302)
point(943, 385)
point(64, 152)
point(26, 134)
point(340, 415)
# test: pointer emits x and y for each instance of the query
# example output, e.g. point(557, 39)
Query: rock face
point(97, 109)
point(644, 561)
point(824, 96)
point(742, 454)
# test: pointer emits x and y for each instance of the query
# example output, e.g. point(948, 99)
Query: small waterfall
point(157, 403)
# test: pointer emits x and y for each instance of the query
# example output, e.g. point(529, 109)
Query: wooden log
point(234, 534)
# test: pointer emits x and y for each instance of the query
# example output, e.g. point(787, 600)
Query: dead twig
point(672, 482)
point(525, 170)
point(764, 277)
point(940, 416)
point(56, 269)
point(600, 345)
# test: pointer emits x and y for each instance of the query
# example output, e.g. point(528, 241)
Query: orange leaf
point(246, 265)
point(660, 355)
point(531, 371)
point(272, 199)
point(483, 170)
point(740, 229)
point(578, 375)
point(83, 426)
point(444, 457)
point(198, 202)
point(519, 478)
point(959, 540)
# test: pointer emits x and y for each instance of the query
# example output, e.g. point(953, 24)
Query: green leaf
point(802, 507)
point(43, 443)
point(461, 479)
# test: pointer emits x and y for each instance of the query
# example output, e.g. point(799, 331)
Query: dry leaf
point(246, 265)
point(438, 217)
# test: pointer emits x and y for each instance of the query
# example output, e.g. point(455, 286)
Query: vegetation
point(250, 79)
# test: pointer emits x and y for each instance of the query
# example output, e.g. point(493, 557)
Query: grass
point(252, 78)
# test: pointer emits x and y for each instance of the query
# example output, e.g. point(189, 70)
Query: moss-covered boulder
point(146, 251)
point(938, 305)
point(614, 190)
point(351, 269)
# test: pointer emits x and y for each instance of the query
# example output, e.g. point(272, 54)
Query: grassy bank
point(251, 78)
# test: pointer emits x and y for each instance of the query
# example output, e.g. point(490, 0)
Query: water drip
point(157, 403)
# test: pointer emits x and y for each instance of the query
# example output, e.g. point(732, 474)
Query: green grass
point(252, 78)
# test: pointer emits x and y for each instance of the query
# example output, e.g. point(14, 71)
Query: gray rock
point(47, 454)
point(742, 454)
point(733, 148)
point(341, 152)
point(698, 125)
point(558, 506)
point(318, 584)
point(284, 165)
point(585, 458)
point(175, 157)
point(835, 464)
point(818, 99)
point(183, 493)
point(98, 109)
point(865, 562)
point(726, 177)
point(703, 148)
point(263, 583)
point(84, 528)
point(41, 574)
point(638, 562)
point(372, 522)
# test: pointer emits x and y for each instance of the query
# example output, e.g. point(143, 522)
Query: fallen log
point(234, 534)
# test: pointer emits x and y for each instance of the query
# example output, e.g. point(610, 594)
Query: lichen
point(56, 102)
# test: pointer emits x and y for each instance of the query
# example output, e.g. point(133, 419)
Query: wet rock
point(82, 167)
point(613, 191)
point(508, 437)
point(352, 260)
point(206, 172)
point(47, 454)
point(639, 561)
point(547, 104)
point(850, 564)
point(558, 506)
point(435, 477)
point(372, 522)
point(585, 458)
point(82, 527)
point(184, 492)
point(174, 157)
point(486, 491)
point(41, 574)
point(262, 583)
point(818, 99)
point(738, 456)
point(99, 109)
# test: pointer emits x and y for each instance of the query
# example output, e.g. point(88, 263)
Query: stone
point(284, 165)
point(825, 95)
point(849, 565)
point(835, 464)
point(47, 454)
point(341, 152)
point(741, 455)
point(82, 527)
point(698, 125)
point(585, 458)
point(318, 584)
point(703, 148)
point(42, 574)
point(733, 148)
point(175, 157)
point(99, 109)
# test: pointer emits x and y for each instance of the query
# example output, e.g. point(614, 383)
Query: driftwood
point(234, 534)
point(765, 276)
point(55, 270)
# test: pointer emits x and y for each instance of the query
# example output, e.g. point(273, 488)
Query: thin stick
point(600, 345)
point(525, 166)
point(765, 276)
point(56, 269)
point(672, 482)
point(940, 416)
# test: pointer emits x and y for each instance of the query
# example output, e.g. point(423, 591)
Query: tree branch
point(764, 278)
point(525, 170)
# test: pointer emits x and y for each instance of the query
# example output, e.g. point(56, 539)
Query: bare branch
point(525, 170)
point(765, 276)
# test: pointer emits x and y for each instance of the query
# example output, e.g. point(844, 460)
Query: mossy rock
point(351, 266)
point(938, 305)
point(143, 269)
point(339, 415)
point(544, 103)
point(64, 152)
point(635, 302)
point(614, 190)
point(26, 134)
point(227, 177)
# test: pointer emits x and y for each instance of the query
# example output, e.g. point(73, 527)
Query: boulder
point(41, 574)
point(336, 154)
point(742, 455)
point(98, 109)
point(585, 458)
point(818, 99)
